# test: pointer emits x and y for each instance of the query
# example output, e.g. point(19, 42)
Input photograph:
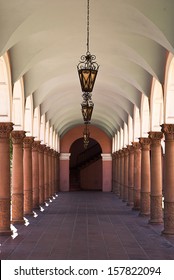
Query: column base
point(18, 222)
point(145, 204)
point(130, 204)
point(156, 215)
point(165, 232)
point(136, 208)
point(168, 218)
point(6, 232)
point(28, 213)
point(155, 221)
point(144, 214)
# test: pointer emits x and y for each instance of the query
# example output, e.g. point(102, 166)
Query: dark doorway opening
point(85, 166)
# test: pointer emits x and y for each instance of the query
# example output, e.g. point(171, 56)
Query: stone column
point(46, 179)
point(118, 173)
point(125, 187)
point(50, 172)
point(5, 130)
point(137, 175)
point(113, 173)
point(53, 173)
point(145, 176)
point(121, 173)
point(168, 130)
point(56, 172)
point(35, 174)
point(130, 176)
point(27, 172)
point(41, 173)
point(17, 178)
point(156, 215)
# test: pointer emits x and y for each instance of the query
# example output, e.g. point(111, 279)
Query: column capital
point(168, 130)
point(136, 145)
point(41, 148)
point(35, 145)
point(5, 129)
point(130, 149)
point(28, 141)
point(155, 137)
point(18, 136)
point(145, 143)
point(125, 151)
point(121, 153)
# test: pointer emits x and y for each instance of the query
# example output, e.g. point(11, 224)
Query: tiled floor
point(88, 225)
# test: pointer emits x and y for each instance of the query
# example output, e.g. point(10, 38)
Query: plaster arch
point(169, 90)
point(101, 137)
point(28, 119)
point(18, 105)
point(5, 89)
point(156, 106)
point(36, 123)
point(106, 146)
point(136, 121)
point(145, 116)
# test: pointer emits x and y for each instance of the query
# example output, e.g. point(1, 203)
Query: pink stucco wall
point(77, 132)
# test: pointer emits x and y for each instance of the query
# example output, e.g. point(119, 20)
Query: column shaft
point(168, 130)
point(122, 174)
point(17, 178)
point(156, 178)
point(27, 165)
point(5, 130)
point(125, 188)
point(145, 176)
point(137, 175)
point(131, 176)
point(41, 173)
point(46, 179)
point(35, 174)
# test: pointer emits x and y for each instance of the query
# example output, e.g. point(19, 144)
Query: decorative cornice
point(64, 156)
point(106, 157)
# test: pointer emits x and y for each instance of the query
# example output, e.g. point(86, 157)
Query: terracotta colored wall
point(91, 176)
point(64, 175)
point(77, 132)
point(107, 176)
point(106, 145)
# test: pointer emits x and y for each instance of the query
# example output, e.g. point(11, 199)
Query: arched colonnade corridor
point(141, 163)
point(127, 171)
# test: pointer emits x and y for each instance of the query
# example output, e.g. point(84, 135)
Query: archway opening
point(85, 166)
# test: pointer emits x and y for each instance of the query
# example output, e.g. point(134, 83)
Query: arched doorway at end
point(85, 166)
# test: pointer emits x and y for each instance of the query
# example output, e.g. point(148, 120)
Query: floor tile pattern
point(87, 225)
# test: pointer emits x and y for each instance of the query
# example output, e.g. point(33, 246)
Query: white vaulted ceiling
point(45, 39)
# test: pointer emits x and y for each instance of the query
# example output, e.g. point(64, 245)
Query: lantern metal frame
point(87, 67)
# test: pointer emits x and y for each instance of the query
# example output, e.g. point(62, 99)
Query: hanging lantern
point(87, 67)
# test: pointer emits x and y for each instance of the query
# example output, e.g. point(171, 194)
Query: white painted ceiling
point(45, 39)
